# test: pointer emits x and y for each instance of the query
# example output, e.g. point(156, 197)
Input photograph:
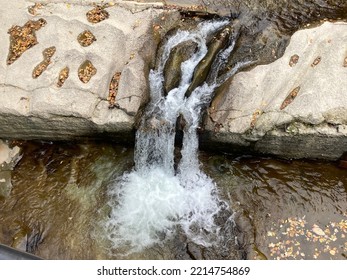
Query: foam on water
point(152, 200)
point(150, 204)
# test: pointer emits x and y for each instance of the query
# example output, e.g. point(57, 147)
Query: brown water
point(57, 199)
point(287, 209)
point(283, 209)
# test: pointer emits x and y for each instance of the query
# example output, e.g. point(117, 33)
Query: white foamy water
point(151, 201)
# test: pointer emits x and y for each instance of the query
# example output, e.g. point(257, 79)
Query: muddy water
point(286, 209)
point(283, 209)
point(58, 197)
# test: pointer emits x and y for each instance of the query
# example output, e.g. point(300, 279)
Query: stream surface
point(282, 209)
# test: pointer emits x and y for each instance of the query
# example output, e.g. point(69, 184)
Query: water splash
point(152, 200)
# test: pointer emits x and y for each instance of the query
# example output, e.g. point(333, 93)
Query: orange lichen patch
point(345, 62)
point(23, 38)
point(86, 71)
point(86, 38)
point(316, 61)
point(112, 93)
point(293, 60)
point(291, 96)
point(63, 75)
point(34, 8)
point(97, 14)
point(42, 66)
point(255, 116)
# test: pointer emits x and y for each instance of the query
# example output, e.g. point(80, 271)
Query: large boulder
point(294, 107)
point(65, 94)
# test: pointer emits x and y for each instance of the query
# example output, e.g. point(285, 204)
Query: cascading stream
point(152, 200)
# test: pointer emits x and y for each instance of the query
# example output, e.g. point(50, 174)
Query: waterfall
point(150, 202)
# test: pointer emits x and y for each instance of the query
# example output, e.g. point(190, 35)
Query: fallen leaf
point(317, 230)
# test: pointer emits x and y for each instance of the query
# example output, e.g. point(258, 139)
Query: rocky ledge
point(76, 69)
point(295, 107)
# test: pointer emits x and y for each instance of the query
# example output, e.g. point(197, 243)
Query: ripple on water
point(283, 201)
point(295, 209)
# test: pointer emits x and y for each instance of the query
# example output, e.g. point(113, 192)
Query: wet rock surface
point(172, 71)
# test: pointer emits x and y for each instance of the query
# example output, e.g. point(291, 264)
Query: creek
point(60, 194)
point(160, 201)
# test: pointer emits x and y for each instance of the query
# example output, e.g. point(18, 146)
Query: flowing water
point(150, 202)
point(59, 193)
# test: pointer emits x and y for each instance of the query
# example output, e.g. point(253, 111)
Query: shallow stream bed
point(282, 209)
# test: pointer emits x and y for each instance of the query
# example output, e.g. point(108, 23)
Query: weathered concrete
point(296, 110)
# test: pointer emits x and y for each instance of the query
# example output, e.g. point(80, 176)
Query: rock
point(172, 70)
point(202, 70)
point(57, 105)
point(296, 111)
point(274, 108)
point(343, 161)
point(9, 157)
